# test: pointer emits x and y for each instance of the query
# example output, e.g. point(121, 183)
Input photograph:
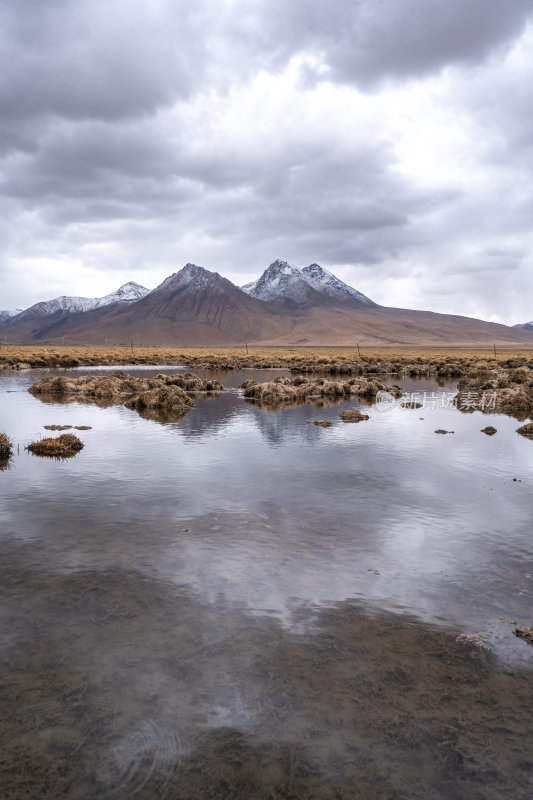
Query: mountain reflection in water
point(241, 604)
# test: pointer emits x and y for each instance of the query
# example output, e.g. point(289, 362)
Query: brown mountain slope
point(195, 307)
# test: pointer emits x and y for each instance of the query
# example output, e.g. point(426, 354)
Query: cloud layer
point(390, 141)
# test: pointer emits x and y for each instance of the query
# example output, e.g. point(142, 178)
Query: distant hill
point(285, 306)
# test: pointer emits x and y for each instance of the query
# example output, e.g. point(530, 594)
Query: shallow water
point(242, 604)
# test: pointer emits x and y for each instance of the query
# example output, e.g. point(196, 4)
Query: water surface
point(243, 604)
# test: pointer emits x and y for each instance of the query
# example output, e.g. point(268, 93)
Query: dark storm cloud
point(367, 41)
point(144, 135)
point(97, 59)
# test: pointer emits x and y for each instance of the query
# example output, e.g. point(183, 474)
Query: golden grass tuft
point(353, 415)
point(69, 355)
point(6, 446)
point(526, 430)
point(60, 447)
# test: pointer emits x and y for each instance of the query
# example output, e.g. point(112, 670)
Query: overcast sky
point(390, 141)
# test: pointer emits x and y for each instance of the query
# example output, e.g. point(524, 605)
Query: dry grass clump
point(520, 375)
point(525, 633)
point(324, 423)
point(452, 361)
point(353, 415)
point(489, 430)
point(6, 446)
point(526, 430)
point(285, 391)
point(166, 398)
point(170, 394)
point(57, 427)
point(61, 447)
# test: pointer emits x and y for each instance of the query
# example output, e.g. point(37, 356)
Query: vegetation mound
point(489, 430)
point(526, 430)
point(165, 397)
point(6, 446)
point(57, 427)
point(61, 447)
point(284, 391)
point(500, 390)
point(166, 393)
point(353, 415)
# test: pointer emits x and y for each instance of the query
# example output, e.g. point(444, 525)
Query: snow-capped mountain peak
point(282, 281)
point(324, 281)
point(7, 314)
point(191, 275)
point(527, 326)
point(127, 293)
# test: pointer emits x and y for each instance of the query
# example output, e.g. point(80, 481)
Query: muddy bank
point(118, 686)
point(284, 391)
point(171, 394)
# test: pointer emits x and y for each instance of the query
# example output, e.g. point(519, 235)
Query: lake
point(244, 604)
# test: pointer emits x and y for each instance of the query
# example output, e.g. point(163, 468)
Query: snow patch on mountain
point(194, 276)
point(7, 314)
point(326, 282)
point(282, 281)
point(127, 293)
point(527, 326)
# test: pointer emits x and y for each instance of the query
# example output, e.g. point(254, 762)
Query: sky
point(391, 141)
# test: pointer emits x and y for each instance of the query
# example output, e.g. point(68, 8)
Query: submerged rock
point(324, 423)
point(441, 430)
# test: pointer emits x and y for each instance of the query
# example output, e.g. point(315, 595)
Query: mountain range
point(284, 306)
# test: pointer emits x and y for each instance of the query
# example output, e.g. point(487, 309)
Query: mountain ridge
point(198, 307)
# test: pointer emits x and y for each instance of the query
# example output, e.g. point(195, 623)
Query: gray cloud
point(136, 137)
point(368, 41)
